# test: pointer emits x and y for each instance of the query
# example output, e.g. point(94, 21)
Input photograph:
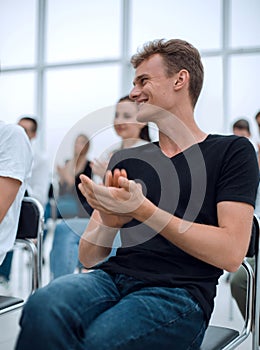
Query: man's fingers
point(123, 173)
point(108, 178)
point(82, 189)
point(85, 179)
point(124, 183)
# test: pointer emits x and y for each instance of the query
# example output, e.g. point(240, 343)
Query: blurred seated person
point(257, 119)
point(241, 127)
point(38, 183)
point(239, 278)
point(15, 171)
point(72, 208)
point(67, 201)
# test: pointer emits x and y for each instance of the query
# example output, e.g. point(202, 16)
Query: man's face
point(153, 91)
point(28, 127)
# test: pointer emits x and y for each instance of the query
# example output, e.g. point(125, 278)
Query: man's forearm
point(96, 242)
point(216, 245)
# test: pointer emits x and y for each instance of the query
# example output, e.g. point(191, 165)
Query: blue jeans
point(64, 252)
point(97, 311)
point(65, 245)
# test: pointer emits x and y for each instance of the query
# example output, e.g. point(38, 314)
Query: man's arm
point(9, 188)
point(224, 246)
point(96, 242)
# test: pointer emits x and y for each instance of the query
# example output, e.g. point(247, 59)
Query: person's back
point(15, 170)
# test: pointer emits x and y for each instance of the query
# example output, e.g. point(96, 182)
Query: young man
point(184, 206)
point(15, 170)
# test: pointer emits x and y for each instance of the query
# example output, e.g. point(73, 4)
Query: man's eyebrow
point(139, 77)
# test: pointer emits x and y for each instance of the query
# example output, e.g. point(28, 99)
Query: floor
point(226, 312)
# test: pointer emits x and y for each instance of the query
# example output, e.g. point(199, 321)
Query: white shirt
point(38, 185)
point(16, 163)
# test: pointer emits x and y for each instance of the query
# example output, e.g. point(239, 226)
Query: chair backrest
point(30, 234)
point(256, 315)
point(254, 241)
point(30, 228)
point(30, 218)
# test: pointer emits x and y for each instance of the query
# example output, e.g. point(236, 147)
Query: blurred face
point(125, 123)
point(80, 143)
point(28, 127)
point(241, 132)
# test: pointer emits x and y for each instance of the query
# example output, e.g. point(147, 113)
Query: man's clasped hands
point(117, 201)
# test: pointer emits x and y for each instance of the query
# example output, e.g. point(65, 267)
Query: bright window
point(83, 30)
point(18, 32)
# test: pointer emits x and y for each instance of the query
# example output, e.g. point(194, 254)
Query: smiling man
point(184, 207)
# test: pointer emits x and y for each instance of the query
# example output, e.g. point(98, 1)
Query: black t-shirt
point(84, 209)
point(188, 185)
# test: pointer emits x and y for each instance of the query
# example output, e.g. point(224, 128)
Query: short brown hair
point(32, 120)
point(242, 124)
point(177, 54)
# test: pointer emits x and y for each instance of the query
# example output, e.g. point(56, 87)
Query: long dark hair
point(144, 133)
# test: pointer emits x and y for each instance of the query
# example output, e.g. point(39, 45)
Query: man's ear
point(181, 79)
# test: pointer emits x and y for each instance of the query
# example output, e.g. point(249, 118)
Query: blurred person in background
point(72, 209)
point(132, 135)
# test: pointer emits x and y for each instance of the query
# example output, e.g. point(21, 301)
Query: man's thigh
point(151, 318)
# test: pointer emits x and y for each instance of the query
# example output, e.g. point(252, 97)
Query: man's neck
point(177, 136)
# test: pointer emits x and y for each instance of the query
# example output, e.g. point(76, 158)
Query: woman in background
point(72, 208)
point(133, 134)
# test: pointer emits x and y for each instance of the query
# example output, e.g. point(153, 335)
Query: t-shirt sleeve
point(15, 153)
point(239, 175)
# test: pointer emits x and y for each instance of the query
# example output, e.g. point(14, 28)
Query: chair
point(29, 235)
point(8, 303)
point(224, 338)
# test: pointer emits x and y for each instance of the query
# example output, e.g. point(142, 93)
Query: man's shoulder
point(12, 129)
point(221, 140)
